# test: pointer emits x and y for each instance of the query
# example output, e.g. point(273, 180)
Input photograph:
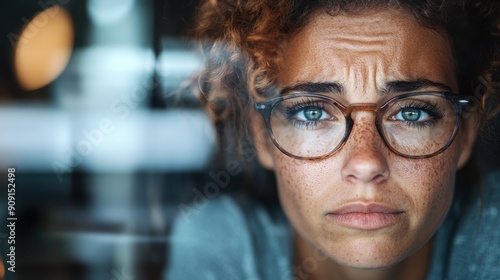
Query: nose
point(364, 154)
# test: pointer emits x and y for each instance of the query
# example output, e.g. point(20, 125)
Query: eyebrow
point(390, 87)
point(314, 88)
point(404, 86)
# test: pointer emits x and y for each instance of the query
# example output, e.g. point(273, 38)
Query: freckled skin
point(362, 52)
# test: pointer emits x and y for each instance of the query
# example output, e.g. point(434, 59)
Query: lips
point(362, 216)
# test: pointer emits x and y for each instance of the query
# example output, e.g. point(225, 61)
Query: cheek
point(424, 183)
point(429, 183)
point(300, 186)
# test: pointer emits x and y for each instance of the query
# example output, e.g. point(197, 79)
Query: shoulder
point(220, 239)
point(475, 251)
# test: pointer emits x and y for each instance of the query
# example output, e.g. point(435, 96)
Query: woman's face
point(364, 206)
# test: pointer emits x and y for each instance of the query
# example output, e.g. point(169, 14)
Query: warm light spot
point(44, 48)
point(2, 269)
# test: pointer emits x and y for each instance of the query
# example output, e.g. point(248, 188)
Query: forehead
point(372, 47)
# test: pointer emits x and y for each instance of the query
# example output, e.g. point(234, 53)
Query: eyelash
point(429, 108)
point(297, 107)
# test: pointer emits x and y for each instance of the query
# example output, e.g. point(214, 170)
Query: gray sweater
point(224, 239)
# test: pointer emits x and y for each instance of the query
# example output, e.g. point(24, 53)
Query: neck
point(309, 264)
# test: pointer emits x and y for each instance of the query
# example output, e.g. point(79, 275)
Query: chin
point(374, 263)
point(370, 255)
point(369, 264)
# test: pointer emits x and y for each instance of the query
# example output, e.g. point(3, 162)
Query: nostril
point(380, 178)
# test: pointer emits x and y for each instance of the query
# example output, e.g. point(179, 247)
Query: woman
point(364, 110)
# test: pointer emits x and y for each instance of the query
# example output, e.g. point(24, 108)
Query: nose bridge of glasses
point(362, 107)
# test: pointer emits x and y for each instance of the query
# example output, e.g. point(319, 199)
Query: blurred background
point(106, 144)
point(103, 146)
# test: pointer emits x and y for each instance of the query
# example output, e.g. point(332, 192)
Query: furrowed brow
point(313, 88)
point(420, 84)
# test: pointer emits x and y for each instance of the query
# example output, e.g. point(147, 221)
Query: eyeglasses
point(412, 125)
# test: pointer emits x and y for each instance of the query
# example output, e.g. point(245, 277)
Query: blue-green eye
point(412, 115)
point(311, 114)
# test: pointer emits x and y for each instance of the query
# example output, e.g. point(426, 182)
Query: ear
point(467, 135)
point(262, 142)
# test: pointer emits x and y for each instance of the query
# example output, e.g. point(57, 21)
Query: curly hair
point(241, 43)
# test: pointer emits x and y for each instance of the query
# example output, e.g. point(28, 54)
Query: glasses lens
point(419, 125)
point(307, 127)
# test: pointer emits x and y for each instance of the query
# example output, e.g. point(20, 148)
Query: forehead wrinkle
point(363, 42)
point(416, 68)
point(364, 72)
point(395, 48)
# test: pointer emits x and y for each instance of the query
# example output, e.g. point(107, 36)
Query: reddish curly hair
point(241, 44)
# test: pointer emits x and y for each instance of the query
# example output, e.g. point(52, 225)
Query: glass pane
point(419, 125)
point(307, 127)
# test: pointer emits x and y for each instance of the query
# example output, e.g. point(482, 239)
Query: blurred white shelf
point(44, 139)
